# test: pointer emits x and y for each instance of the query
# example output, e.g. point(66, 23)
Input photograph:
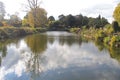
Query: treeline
point(34, 18)
point(13, 19)
point(77, 21)
point(37, 17)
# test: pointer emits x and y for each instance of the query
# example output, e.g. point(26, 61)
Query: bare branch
point(29, 2)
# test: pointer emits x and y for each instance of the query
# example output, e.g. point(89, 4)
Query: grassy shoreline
point(13, 32)
point(105, 36)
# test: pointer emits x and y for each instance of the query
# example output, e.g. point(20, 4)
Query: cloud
point(117, 1)
point(105, 10)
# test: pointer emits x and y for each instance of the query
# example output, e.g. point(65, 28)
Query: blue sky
point(56, 7)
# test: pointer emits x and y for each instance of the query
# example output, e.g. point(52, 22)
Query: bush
point(106, 40)
point(100, 35)
point(74, 30)
point(114, 41)
point(108, 29)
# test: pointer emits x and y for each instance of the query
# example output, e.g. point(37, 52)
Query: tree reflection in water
point(114, 52)
point(37, 44)
point(69, 40)
point(40, 53)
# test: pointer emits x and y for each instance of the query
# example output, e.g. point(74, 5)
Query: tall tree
point(116, 13)
point(2, 11)
point(39, 19)
point(70, 20)
point(37, 16)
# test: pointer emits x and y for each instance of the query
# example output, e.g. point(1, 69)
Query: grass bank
point(12, 32)
point(107, 36)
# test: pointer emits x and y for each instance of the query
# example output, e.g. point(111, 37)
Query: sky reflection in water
point(55, 61)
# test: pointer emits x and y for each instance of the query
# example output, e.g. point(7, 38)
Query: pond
point(57, 56)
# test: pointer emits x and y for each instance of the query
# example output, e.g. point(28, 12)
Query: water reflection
point(57, 56)
point(3, 47)
point(115, 53)
point(37, 43)
point(100, 45)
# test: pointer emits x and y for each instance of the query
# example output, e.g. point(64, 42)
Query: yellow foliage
point(30, 19)
point(37, 17)
point(24, 22)
point(116, 13)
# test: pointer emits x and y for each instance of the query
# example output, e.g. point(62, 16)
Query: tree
point(62, 20)
point(37, 16)
point(40, 18)
point(79, 20)
point(104, 21)
point(2, 11)
point(91, 22)
point(97, 22)
point(25, 22)
point(51, 18)
point(15, 20)
point(116, 13)
point(115, 26)
point(70, 20)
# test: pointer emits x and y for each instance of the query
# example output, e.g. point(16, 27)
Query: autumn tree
point(116, 13)
point(37, 16)
point(39, 20)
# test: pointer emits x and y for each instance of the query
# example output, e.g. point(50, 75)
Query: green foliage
point(51, 18)
point(100, 35)
point(97, 22)
point(115, 53)
point(11, 32)
point(74, 30)
point(108, 29)
point(115, 26)
point(100, 45)
point(77, 21)
point(114, 40)
point(56, 25)
point(106, 40)
point(25, 22)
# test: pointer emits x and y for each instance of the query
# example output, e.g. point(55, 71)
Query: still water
point(57, 56)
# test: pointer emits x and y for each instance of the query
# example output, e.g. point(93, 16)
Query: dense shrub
point(76, 30)
point(108, 29)
point(100, 35)
point(106, 40)
point(114, 41)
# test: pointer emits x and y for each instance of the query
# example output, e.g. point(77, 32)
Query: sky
point(90, 8)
